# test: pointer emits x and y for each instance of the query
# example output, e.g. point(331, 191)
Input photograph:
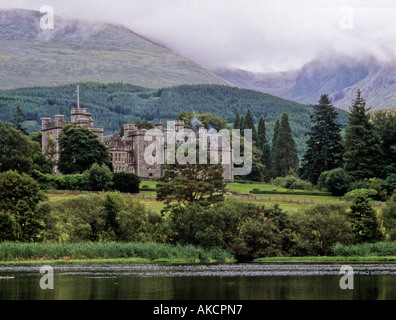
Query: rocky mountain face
point(339, 77)
point(78, 51)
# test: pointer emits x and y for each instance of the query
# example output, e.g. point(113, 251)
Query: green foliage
point(19, 196)
point(384, 124)
point(209, 120)
point(336, 181)
point(368, 193)
point(389, 217)
point(390, 183)
point(284, 153)
point(80, 149)
point(365, 249)
point(113, 105)
point(246, 230)
point(185, 184)
point(126, 182)
point(249, 124)
point(292, 182)
point(98, 178)
point(237, 121)
point(264, 147)
point(15, 150)
point(10, 251)
point(100, 218)
point(320, 227)
point(324, 148)
point(363, 156)
point(8, 226)
point(364, 220)
point(18, 120)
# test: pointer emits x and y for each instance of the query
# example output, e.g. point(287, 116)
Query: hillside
point(339, 77)
point(79, 51)
point(113, 105)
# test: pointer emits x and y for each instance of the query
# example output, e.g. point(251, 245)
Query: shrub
point(19, 196)
point(351, 195)
point(364, 220)
point(336, 181)
point(320, 227)
point(126, 182)
point(390, 183)
point(389, 217)
point(110, 217)
point(98, 177)
point(247, 231)
point(73, 182)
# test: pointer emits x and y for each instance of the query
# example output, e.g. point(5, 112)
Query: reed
point(12, 251)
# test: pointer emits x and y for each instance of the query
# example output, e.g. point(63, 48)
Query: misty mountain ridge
point(339, 77)
point(80, 51)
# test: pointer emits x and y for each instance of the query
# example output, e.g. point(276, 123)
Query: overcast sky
point(256, 35)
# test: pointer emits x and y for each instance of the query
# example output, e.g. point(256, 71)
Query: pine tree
point(285, 158)
point(249, 124)
point(18, 120)
point(263, 145)
point(363, 156)
point(242, 125)
point(324, 146)
point(274, 150)
point(237, 121)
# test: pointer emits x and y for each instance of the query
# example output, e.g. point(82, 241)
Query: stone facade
point(128, 152)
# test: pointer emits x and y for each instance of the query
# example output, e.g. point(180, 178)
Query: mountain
point(79, 51)
point(113, 105)
point(339, 77)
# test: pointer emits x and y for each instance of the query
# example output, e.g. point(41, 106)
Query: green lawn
point(244, 188)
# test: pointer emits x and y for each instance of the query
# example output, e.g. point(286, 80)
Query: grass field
point(287, 202)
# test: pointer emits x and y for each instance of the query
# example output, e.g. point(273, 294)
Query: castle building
point(128, 152)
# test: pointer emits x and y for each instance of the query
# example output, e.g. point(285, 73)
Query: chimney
point(179, 125)
point(59, 119)
point(45, 123)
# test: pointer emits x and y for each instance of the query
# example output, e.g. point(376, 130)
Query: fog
point(256, 35)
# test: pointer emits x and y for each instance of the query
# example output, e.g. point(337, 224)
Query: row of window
point(121, 157)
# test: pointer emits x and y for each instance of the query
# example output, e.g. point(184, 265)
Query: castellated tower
point(52, 130)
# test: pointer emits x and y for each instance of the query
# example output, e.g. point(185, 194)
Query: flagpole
point(78, 97)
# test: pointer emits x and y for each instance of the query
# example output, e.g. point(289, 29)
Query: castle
point(128, 152)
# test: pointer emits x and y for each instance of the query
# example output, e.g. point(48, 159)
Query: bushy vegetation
point(97, 178)
point(11, 251)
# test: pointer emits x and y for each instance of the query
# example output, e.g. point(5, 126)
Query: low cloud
point(256, 35)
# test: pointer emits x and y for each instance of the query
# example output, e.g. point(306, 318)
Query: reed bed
point(11, 251)
point(378, 249)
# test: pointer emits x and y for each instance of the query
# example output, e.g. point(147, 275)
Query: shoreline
point(271, 260)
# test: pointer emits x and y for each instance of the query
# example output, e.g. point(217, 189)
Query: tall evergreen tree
point(242, 125)
point(363, 156)
point(274, 150)
point(249, 124)
point(263, 145)
point(18, 120)
point(285, 157)
point(324, 146)
point(385, 125)
point(237, 121)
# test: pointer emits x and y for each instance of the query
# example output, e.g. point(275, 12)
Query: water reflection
point(204, 282)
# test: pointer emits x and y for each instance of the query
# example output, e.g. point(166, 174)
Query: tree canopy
point(80, 149)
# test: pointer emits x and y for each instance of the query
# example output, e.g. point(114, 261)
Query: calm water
point(204, 282)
